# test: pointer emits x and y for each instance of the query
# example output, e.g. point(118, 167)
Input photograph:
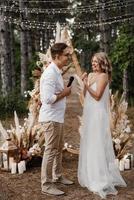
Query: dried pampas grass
point(123, 139)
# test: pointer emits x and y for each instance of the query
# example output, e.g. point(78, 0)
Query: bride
point(97, 169)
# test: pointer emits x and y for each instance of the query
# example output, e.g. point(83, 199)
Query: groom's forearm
point(60, 96)
point(64, 93)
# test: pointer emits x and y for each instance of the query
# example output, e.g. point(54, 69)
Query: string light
point(35, 25)
point(103, 23)
point(81, 9)
point(38, 1)
point(62, 1)
point(109, 5)
point(53, 11)
point(108, 19)
point(81, 22)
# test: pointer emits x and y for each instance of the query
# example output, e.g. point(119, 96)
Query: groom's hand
point(65, 92)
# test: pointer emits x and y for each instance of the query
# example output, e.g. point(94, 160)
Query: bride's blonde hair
point(104, 63)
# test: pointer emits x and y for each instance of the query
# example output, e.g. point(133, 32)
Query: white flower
point(127, 130)
point(65, 145)
point(35, 145)
point(126, 155)
point(25, 125)
point(121, 135)
point(117, 141)
point(22, 130)
point(35, 149)
point(117, 146)
point(38, 63)
point(37, 137)
point(9, 131)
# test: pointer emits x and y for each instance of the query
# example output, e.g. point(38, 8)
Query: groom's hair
point(57, 49)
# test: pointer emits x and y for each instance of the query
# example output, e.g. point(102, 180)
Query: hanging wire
point(116, 2)
point(62, 1)
point(78, 25)
point(38, 1)
point(32, 23)
point(61, 10)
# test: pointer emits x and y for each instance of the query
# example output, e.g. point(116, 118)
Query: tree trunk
point(125, 84)
point(24, 51)
point(43, 40)
point(5, 56)
point(47, 38)
point(37, 40)
point(105, 33)
point(29, 39)
point(24, 61)
point(125, 70)
point(12, 44)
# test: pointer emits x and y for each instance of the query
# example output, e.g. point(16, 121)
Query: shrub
point(11, 103)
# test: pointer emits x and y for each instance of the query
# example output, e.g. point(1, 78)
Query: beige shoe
point(63, 180)
point(51, 189)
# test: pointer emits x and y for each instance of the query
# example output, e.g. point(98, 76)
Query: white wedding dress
point(97, 169)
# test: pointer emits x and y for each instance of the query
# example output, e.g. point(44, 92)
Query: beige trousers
point(52, 159)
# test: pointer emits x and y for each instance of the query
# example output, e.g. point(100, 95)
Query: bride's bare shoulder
point(103, 77)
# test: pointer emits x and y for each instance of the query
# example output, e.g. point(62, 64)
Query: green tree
point(123, 59)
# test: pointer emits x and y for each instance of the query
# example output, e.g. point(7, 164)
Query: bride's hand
point(84, 75)
point(85, 81)
point(91, 79)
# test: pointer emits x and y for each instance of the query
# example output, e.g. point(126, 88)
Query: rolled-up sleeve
point(47, 89)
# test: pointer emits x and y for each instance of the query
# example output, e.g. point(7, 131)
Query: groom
point(53, 98)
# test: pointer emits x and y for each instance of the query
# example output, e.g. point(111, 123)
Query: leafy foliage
point(86, 44)
point(10, 103)
point(122, 49)
point(123, 58)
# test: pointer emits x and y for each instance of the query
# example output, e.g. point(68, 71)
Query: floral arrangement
point(120, 126)
point(26, 138)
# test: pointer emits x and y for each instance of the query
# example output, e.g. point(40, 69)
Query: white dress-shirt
point(51, 83)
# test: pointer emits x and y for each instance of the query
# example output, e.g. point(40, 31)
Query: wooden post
point(75, 61)
point(74, 57)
